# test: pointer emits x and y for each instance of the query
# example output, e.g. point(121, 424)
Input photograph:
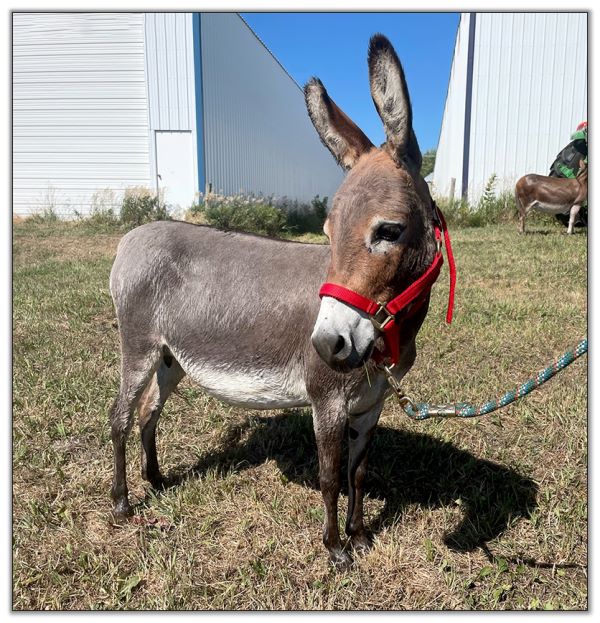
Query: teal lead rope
point(423, 411)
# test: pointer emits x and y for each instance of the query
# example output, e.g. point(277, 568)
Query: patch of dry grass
point(480, 514)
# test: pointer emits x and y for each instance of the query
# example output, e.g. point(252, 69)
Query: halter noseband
point(384, 316)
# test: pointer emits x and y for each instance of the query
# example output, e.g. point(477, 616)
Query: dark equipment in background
point(566, 164)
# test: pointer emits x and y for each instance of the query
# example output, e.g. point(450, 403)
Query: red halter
point(384, 315)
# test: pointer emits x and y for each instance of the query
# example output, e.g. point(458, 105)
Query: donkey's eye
point(390, 232)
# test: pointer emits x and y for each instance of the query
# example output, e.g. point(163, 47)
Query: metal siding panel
point(80, 108)
point(197, 100)
point(479, 114)
point(170, 81)
point(89, 90)
point(162, 69)
point(170, 37)
point(189, 73)
point(74, 29)
point(85, 119)
point(56, 105)
point(151, 70)
point(529, 93)
point(54, 169)
point(449, 158)
point(28, 52)
point(258, 135)
point(89, 62)
point(515, 132)
point(180, 63)
point(34, 143)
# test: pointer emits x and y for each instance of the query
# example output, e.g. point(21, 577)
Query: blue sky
point(333, 47)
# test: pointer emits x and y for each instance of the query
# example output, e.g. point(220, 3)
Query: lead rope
point(423, 411)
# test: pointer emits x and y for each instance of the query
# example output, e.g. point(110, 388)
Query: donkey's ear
point(344, 139)
point(390, 94)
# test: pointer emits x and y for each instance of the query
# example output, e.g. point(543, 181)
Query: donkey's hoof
point(155, 478)
point(121, 512)
point(361, 543)
point(158, 483)
point(340, 559)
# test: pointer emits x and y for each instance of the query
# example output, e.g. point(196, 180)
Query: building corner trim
point(468, 105)
point(199, 102)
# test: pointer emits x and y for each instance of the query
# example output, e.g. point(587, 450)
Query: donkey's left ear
point(344, 139)
point(390, 94)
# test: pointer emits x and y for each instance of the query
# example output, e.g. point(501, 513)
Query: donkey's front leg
point(329, 424)
point(573, 215)
point(360, 431)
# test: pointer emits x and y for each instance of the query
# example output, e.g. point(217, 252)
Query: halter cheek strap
point(384, 316)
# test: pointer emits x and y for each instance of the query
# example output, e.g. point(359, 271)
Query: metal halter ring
point(381, 324)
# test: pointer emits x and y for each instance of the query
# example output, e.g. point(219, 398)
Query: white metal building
point(517, 91)
point(176, 101)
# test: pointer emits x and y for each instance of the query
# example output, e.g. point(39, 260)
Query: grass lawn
point(478, 514)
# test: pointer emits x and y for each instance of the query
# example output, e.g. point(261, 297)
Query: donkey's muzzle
point(343, 336)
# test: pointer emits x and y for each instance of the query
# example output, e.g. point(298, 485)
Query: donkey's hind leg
point(164, 381)
point(522, 214)
point(137, 368)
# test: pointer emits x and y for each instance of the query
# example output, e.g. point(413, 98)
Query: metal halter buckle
point(378, 323)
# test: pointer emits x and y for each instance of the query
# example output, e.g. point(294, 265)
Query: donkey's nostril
point(339, 345)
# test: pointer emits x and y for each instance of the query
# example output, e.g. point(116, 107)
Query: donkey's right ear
point(344, 139)
point(390, 95)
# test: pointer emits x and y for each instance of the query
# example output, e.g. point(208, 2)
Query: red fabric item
point(416, 294)
point(348, 296)
point(451, 266)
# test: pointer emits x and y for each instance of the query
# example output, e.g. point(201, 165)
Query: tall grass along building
point(517, 91)
point(177, 102)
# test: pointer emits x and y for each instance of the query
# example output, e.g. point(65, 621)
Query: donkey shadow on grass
point(404, 468)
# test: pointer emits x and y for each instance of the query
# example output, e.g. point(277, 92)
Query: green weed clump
point(107, 212)
point(45, 216)
point(240, 213)
point(141, 205)
point(306, 219)
point(268, 216)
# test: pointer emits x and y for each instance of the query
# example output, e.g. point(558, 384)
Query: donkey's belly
point(254, 389)
point(550, 208)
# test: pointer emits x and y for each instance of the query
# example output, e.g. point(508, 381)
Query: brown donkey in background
point(551, 195)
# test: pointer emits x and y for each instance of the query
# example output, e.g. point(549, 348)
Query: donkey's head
point(380, 223)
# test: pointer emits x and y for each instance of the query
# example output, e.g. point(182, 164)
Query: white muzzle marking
point(342, 334)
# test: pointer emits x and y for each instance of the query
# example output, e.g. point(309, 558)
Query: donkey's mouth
point(343, 358)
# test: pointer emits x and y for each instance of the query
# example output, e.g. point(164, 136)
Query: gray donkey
point(241, 315)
